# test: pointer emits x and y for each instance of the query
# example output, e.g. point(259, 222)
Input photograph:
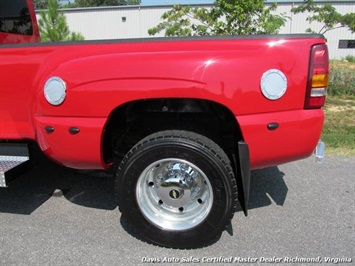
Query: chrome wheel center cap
point(174, 191)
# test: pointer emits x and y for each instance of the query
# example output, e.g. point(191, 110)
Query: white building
point(134, 21)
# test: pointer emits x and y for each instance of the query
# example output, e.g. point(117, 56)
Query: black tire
point(172, 168)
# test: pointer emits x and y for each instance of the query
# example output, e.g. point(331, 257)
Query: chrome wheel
point(174, 194)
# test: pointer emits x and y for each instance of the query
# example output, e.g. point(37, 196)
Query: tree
point(53, 25)
point(40, 4)
point(327, 15)
point(133, 2)
point(225, 17)
point(91, 3)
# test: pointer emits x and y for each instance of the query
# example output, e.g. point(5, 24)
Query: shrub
point(350, 58)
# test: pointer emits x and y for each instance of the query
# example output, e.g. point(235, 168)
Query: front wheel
point(177, 189)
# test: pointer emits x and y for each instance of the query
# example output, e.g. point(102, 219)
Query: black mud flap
point(243, 174)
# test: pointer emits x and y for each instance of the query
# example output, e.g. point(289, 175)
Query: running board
point(14, 159)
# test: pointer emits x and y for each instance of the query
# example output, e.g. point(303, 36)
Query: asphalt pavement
point(301, 213)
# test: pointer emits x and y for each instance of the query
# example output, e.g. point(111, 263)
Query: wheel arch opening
point(132, 121)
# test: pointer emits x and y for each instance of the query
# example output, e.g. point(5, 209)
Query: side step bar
point(14, 159)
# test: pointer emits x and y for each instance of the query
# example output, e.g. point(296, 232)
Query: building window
point(346, 44)
point(124, 19)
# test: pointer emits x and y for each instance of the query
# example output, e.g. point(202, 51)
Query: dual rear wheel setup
point(177, 189)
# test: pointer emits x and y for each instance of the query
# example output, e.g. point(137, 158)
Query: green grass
point(339, 126)
point(341, 78)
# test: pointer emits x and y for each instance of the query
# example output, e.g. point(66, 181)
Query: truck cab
point(18, 23)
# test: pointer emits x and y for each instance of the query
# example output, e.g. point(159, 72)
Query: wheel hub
point(174, 185)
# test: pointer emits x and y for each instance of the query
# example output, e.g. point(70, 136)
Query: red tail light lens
point(317, 77)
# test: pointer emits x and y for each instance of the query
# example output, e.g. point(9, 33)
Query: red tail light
point(317, 77)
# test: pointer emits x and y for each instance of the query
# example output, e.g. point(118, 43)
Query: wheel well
point(133, 121)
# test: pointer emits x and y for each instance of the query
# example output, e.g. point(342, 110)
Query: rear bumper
point(294, 135)
point(80, 148)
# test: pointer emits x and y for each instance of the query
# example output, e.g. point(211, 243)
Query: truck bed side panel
point(102, 76)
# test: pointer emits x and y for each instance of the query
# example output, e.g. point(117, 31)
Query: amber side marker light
point(318, 77)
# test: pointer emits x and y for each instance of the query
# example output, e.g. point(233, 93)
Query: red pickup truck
point(181, 120)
